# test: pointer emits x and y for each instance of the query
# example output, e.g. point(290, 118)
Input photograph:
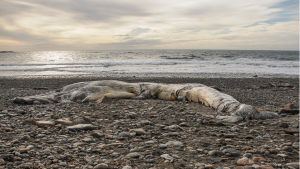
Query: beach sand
point(200, 140)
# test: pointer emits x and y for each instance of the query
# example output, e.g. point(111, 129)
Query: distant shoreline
point(6, 51)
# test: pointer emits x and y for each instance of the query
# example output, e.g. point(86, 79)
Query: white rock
point(166, 156)
point(82, 127)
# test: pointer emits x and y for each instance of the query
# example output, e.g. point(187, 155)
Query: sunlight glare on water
point(52, 56)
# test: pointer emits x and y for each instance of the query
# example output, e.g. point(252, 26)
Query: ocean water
point(149, 61)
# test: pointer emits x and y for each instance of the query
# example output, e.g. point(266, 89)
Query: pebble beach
point(150, 134)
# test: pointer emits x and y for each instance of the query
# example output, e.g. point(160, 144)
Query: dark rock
point(29, 121)
point(289, 106)
point(290, 137)
point(249, 137)
point(290, 131)
point(125, 134)
point(82, 120)
point(288, 111)
point(8, 157)
point(284, 125)
point(105, 99)
point(230, 135)
point(232, 152)
point(287, 148)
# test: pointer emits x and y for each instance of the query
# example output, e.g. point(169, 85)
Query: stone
point(30, 147)
point(291, 131)
point(145, 122)
point(209, 166)
point(87, 139)
point(125, 134)
point(63, 164)
point(249, 137)
point(81, 120)
point(273, 151)
point(25, 137)
point(244, 161)
point(166, 156)
point(105, 99)
point(229, 119)
point(23, 150)
point(253, 131)
point(172, 127)
point(81, 127)
point(40, 135)
point(101, 166)
point(290, 137)
point(288, 111)
point(88, 159)
point(8, 157)
point(63, 121)
point(138, 131)
point(171, 134)
point(232, 152)
point(174, 143)
point(230, 135)
point(184, 124)
point(26, 165)
point(127, 167)
point(149, 142)
point(286, 144)
point(295, 145)
point(116, 144)
point(131, 115)
point(294, 165)
point(45, 123)
point(285, 85)
point(14, 141)
point(97, 135)
point(199, 165)
point(248, 155)
point(247, 148)
point(287, 148)
point(163, 146)
point(29, 122)
point(215, 153)
point(133, 155)
point(282, 155)
point(284, 125)
point(266, 167)
point(258, 159)
point(289, 106)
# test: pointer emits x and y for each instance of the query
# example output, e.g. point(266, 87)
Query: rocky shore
point(148, 133)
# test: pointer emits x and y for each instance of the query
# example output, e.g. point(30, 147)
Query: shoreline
point(159, 75)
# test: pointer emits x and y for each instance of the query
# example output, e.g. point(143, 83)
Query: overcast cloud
point(149, 24)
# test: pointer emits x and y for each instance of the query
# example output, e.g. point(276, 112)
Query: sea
point(96, 62)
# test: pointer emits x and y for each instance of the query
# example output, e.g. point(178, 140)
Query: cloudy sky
point(149, 24)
